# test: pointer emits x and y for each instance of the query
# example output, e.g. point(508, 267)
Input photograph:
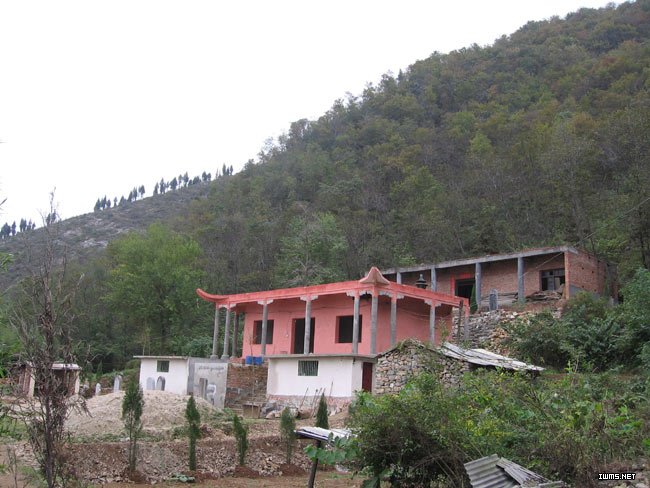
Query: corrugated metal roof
point(484, 473)
point(495, 472)
point(486, 358)
point(322, 434)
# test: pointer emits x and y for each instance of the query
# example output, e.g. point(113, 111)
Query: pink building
point(338, 328)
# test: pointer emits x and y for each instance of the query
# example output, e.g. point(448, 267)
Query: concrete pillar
point(477, 284)
point(521, 296)
point(466, 325)
point(393, 320)
point(398, 277)
point(307, 325)
point(373, 323)
point(434, 280)
point(265, 319)
point(215, 333)
point(432, 324)
point(226, 336)
point(355, 325)
point(235, 332)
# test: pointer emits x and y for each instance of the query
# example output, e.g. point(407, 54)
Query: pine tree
point(322, 420)
point(287, 432)
point(132, 407)
point(241, 435)
point(194, 422)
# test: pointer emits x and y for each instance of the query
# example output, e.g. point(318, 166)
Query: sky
point(97, 97)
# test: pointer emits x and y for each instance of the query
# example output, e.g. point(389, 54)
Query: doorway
point(366, 377)
point(299, 336)
point(464, 288)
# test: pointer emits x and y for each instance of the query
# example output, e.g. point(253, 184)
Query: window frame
point(308, 367)
point(257, 335)
point(162, 366)
point(337, 339)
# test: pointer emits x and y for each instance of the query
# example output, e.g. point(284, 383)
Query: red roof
point(373, 283)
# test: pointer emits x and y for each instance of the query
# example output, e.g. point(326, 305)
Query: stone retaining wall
point(397, 366)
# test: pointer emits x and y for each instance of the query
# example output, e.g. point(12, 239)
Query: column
point(477, 285)
point(226, 336)
point(215, 333)
point(521, 297)
point(265, 318)
point(432, 324)
point(434, 280)
point(373, 323)
point(307, 325)
point(355, 325)
point(393, 320)
point(398, 277)
point(235, 332)
point(466, 324)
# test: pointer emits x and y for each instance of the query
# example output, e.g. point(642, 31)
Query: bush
point(287, 432)
point(567, 429)
point(241, 435)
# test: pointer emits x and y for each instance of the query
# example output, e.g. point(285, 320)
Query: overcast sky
point(99, 97)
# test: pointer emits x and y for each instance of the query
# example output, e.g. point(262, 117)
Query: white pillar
point(215, 333)
point(432, 324)
point(265, 319)
point(305, 349)
point(226, 335)
point(373, 323)
point(521, 296)
point(355, 325)
point(393, 320)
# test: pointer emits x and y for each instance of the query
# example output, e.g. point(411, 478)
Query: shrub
point(193, 432)
point(287, 432)
point(241, 435)
point(566, 429)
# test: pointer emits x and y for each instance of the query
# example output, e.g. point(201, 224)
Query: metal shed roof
point(495, 472)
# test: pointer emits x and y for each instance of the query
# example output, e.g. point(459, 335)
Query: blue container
point(256, 360)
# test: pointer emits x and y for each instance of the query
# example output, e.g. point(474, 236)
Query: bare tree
point(42, 316)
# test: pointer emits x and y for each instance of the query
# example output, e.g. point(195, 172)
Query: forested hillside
point(539, 139)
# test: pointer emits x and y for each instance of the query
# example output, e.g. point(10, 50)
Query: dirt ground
point(98, 449)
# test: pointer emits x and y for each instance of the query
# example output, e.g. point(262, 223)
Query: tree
point(287, 432)
point(312, 252)
point(152, 281)
point(322, 419)
point(132, 407)
point(42, 317)
point(193, 429)
point(241, 436)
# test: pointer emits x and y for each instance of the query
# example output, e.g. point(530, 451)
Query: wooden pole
point(314, 467)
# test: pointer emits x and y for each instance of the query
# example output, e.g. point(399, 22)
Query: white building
point(293, 377)
point(185, 375)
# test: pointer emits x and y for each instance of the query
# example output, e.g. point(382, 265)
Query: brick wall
point(245, 383)
point(589, 273)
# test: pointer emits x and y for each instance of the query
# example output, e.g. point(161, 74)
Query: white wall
point(175, 379)
point(339, 376)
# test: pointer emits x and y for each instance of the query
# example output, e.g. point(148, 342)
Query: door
point(299, 336)
point(366, 377)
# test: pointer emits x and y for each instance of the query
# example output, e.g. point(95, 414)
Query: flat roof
point(483, 259)
point(366, 357)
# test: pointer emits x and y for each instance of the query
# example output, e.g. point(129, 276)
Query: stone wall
point(397, 366)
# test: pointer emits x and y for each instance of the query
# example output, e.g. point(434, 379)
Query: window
point(552, 279)
point(162, 367)
point(307, 368)
point(344, 329)
point(257, 336)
